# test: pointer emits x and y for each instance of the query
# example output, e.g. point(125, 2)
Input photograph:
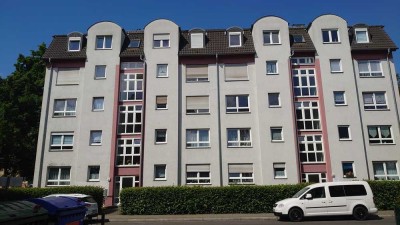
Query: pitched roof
point(216, 42)
point(127, 51)
point(378, 39)
point(58, 49)
point(307, 45)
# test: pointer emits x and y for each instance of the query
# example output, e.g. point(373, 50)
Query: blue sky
point(24, 24)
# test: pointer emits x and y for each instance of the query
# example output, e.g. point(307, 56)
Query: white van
point(328, 199)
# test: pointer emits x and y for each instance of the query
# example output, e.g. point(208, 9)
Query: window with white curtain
point(339, 98)
point(381, 134)
point(370, 68)
point(311, 149)
point(304, 83)
point(98, 104)
point(272, 67)
point(279, 170)
point(162, 70)
point(241, 173)
point(336, 65)
point(374, 100)
point(95, 137)
point(276, 134)
point(160, 172)
point(58, 176)
point(239, 137)
point(61, 141)
point(197, 138)
point(64, 107)
point(387, 170)
point(93, 173)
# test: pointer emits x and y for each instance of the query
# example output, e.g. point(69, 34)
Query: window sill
point(98, 110)
point(278, 106)
point(161, 47)
point(239, 146)
point(95, 144)
point(61, 150)
point(238, 112)
point(208, 147)
point(313, 163)
point(198, 113)
point(190, 184)
point(349, 177)
point(160, 179)
point(280, 178)
point(160, 143)
point(271, 44)
point(99, 78)
point(376, 109)
point(345, 139)
point(191, 82)
point(92, 181)
point(67, 84)
point(372, 76)
point(271, 74)
point(103, 48)
point(338, 42)
point(162, 77)
point(125, 166)
point(379, 144)
point(277, 141)
point(236, 80)
point(64, 116)
point(337, 72)
point(341, 105)
point(161, 108)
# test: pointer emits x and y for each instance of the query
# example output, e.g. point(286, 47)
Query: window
point(74, 44)
point(94, 173)
point(61, 142)
point(271, 37)
point(197, 104)
point(197, 138)
point(302, 61)
point(198, 174)
point(235, 39)
point(355, 190)
point(100, 72)
point(380, 134)
point(160, 172)
point(162, 70)
point(235, 72)
point(374, 100)
point(386, 170)
point(276, 134)
point(196, 73)
point(103, 42)
point(237, 103)
point(197, 40)
point(311, 149)
point(240, 174)
point(316, 193)
point(64, 107)
point(313, 177)
point(279, 170)
point(68, 76)
point(348, 170)
point(362, 35)
point(122, 182)
point(330, 36)
point(132, 65)
point(134, 43)
point(298, 38)
point(339, 98)
point(161, 102)
point(161, 136)
point(131, 87)
point(304, 83)
point(344, 132)
point(274, 100)
point(370, 68)
point(336, 65)
point(128, 152)
point(161, 40)
point(98, 104)
point(239, 137)
point(58, 176)
point(130, 119)
point(95, 137)
point(272, 67)
point(307, 115)
point(336, 191)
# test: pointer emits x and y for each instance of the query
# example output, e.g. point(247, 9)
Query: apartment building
point(270, 104)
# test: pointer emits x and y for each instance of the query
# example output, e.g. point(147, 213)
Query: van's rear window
point(347, 190)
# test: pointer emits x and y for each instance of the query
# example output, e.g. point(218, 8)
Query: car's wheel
point(360, 212)
point(295, 214)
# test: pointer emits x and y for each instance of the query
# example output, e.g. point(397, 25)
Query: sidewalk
point(115, 216)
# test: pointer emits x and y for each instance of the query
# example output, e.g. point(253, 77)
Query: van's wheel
point(295, 214)
point(360, 213)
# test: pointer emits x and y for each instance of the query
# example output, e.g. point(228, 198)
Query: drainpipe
point(143, 59)
point(361, 119)
point(219, 123)
point(393, 88)
point(46, 119)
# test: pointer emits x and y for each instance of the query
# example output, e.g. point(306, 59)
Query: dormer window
point(298, 38)
point(74, 44)
point(235, 39)
point(361, 35)
point(134, 43)
point(197, 40)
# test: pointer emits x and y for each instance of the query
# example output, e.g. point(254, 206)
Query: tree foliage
point(20, 104)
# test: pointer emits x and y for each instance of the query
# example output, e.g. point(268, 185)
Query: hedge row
point(25, 193)
point(233, 199)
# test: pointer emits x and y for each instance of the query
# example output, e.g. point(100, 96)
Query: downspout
point(46, 119)
point(361, 119)
point(219, 123)
point(143, 59)
point(393, 88)
point(179, 164)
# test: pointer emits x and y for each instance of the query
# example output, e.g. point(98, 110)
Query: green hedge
point(233, 199)
point(25, 193)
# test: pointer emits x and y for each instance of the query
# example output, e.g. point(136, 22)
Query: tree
point(20, 105)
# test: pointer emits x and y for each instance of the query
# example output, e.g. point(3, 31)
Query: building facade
point(273, 104)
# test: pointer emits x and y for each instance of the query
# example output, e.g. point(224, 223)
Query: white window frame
point(124, 125)
point(353, 172)
point(157, 131)
point(125, 159)
point(269, 33)
point(272, 62)
point(361, 30)
point(128, 93)
point(62, 146)
point(197, 143)
point(92, 140)
point(64, 112)
point(104, 37)
point(162, 74)
point(199, 179)
point(276, 94)
point(330, 36)
point(340, 65)
point(97, 74)
point(302, 61)
point(193, 44)
point(161, 106)
point(279, 166)
point(197, 111)
point(58, 180)
point(344, 98)
point(193, 79)
point(382, 140)
point(237, 108)
point(348, 131)
point(370, 73)
point(295, 39)
point(314, 140)
point(162, 166)
point(90, 173)
point(118, 185)
point(310, 75)
point(74, 39)
point(305, 177)
point(278, 129)
point(131, 65)
point(136, 41)
point(240, 178)
point(163, 43)
point(310, 106)
point(374, 105)
point(239, 143)
point(235, 34)
point(386, 176)
point(94, 109)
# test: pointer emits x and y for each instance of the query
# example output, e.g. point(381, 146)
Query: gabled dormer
point(74, 41)
point(197, 38)
point(235, 36)
point(361, 34)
